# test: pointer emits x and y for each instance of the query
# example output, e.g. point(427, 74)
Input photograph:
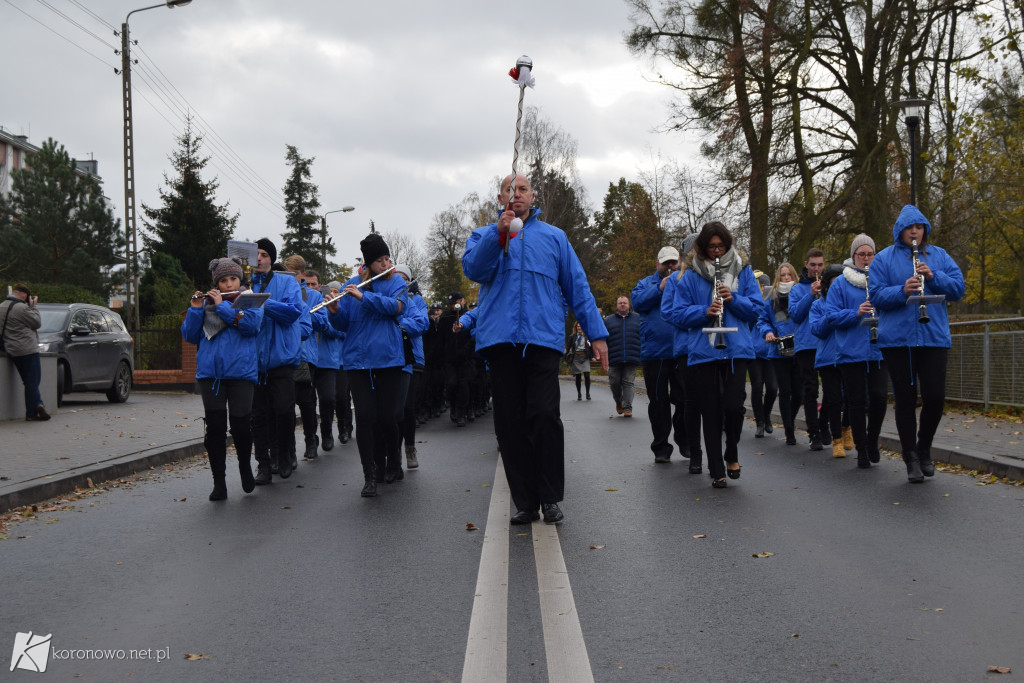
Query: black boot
point(924, 456)
point(241, 432)
point(863, 461)
point(369, 488)
point(759, 432)
point(790, 435)
point(216, 451)
point(312, 443)
point(816, 443)
point(914, 474)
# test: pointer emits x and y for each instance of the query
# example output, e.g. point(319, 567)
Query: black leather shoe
point(733, 474)
point(311, 445)
point(369, 489)
point(662, 459)
point(759, 432)
point(327, 442)
point(343, 437)
point(816, 444)
point(768, 429)
point(284, 468)
point(719, 483)
point(862, 459)
point(924, 457)
point(552, 513)
point(245, 472)
point(696, 469)
point(914, 473)
point(262, 476)
point(873, 454)
point(524, 517)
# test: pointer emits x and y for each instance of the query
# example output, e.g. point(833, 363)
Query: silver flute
point(327, 302)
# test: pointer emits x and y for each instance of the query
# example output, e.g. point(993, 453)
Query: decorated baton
point(522, 77)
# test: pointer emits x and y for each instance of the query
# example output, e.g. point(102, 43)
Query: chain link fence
point(986, 362)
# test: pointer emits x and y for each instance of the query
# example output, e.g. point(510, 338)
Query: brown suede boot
point(847, 438)
point(837, 449)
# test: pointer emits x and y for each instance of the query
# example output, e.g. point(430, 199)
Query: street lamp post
point(131, 234)
point(323, 235)
point(913, 110)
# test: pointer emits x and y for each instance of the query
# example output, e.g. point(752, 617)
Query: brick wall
point(185, 375)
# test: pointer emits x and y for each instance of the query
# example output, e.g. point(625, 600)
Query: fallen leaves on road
point(763, 553)
point(472, 527)
point(998, 669)
point(611, 489)
point(194, 658)
point(701, 536)
point(596, 547)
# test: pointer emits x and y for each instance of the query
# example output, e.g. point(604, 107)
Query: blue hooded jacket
point(373, 339)
point(523, 295)
point(687, 310)
point(656, 335)
point(845, 296)
point(280, 333)
point(897, 322)
point(231, 354)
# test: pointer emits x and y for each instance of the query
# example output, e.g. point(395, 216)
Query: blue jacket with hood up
point(897, 322)
point(523, 296)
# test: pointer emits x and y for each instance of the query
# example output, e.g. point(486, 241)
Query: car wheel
point(122, 386)
point(61, 379)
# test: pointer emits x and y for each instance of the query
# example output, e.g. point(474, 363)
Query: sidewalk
point(91, 438)
point(974, 441)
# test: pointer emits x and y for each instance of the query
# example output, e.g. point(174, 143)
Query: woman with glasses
point(774, 322)
point(865, 379)
point(719, 376)
point(914, 347)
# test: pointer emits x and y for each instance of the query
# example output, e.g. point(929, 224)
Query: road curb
point(34, 491)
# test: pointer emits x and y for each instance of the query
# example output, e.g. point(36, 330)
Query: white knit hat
point(859, 241)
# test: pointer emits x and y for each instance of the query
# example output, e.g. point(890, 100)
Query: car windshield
point(52, 320)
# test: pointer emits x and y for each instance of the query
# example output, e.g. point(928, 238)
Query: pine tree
point(189, 225)
point(303, 235)
point(56, 226)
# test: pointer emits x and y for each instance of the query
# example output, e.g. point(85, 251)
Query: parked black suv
point(94, 350)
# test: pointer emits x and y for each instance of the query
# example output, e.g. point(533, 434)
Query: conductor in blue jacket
point(278, 344)
point(520, 331)
point(915, 347)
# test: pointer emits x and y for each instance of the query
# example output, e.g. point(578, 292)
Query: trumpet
point(224, 295)
point(817, 278)
point(327, 302)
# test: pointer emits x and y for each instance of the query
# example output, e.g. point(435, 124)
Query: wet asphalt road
point(869, 578)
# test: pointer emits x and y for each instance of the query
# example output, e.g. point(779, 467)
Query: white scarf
point(855, 277)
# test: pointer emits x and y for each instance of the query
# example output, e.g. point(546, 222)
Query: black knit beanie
point(268, 246)
point(373, 247)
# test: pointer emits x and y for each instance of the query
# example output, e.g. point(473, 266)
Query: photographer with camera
point(19, 340)
point(457, 355)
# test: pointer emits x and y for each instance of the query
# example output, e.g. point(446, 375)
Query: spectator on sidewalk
point(20, 342)
point(578, 353)
point(624, 354)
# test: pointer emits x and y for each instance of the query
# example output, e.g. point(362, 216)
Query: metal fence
point(986, 362)
point(158, 343)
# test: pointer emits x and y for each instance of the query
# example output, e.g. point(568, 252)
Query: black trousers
point(763, 388)
point(528, 422)
point(911, 369)
point(666, 407)
point(866, 385)
point(692, 395)
point(809, 382)
point(832, 403)
point(305, 398)
point(325, 382)
point(273, 415)
point(724, 384)
point(376, 394)
point(407, 421)
point(787, 376)
point(343, 402)
point(457, 377)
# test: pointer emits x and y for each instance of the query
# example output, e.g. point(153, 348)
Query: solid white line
point(563, 638)
point(487, 647)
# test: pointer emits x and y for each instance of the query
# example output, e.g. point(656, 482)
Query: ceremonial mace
point(521, 76)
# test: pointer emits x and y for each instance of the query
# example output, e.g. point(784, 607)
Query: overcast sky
point(407, 106)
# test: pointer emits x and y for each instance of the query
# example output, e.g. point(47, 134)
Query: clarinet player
point(915, 352)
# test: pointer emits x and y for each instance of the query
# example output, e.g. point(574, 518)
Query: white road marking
point(563, 638)
point(487, 647)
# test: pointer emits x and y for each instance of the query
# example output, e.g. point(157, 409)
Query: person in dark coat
point(457, 355)
point(624, 354)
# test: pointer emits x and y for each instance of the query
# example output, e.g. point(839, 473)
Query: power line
point(60, 35)
point(93, 15)
point(73, 22)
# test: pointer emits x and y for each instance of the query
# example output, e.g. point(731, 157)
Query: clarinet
point(720, 344)
point(873, 321)
point(916, 258)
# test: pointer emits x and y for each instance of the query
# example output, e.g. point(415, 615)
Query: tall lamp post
point(913, 110)
point(131, 234)
point(323, 235)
